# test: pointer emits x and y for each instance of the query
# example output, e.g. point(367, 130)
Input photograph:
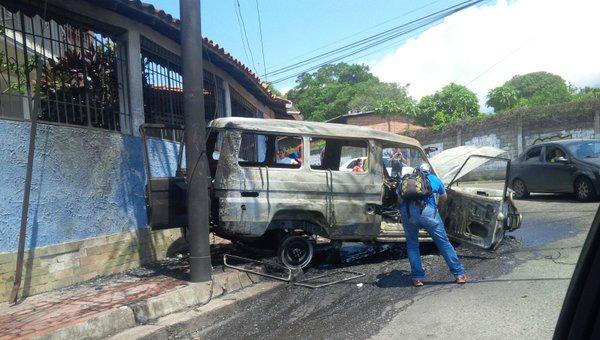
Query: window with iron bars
point(163, 89)
point(82, 72)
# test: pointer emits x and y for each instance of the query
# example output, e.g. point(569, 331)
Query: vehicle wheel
point(520, 189)
point(296, 252)
point(584, 189)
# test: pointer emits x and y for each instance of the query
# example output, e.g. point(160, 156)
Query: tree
point(454, 102)
point(274, 90)
point(372, 93)
point(587, 93)
point(387, 108)
point(536, 88)
point(334, 90)
point(503, 98)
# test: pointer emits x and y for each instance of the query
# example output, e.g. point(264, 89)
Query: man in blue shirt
point(415, 215)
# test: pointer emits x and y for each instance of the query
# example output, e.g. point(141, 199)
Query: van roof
point(309, 128)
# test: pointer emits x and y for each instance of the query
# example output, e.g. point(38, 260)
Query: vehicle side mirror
point(562, 159)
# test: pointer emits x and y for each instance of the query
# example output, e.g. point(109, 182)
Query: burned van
point(280, 183)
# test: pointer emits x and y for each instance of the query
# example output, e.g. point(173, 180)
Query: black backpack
point(414, 186)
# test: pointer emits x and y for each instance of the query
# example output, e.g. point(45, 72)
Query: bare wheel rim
point(583, 190)
point(297, 253)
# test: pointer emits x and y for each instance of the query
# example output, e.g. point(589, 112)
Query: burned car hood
point(448, 162)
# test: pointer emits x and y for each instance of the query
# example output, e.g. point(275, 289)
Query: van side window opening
point(339, 154)
point(274, 151)
point(410, 159)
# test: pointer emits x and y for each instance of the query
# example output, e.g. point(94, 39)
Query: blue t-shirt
point(437, 188)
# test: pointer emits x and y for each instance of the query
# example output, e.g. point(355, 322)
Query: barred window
point(163, 88)
point(82, 74)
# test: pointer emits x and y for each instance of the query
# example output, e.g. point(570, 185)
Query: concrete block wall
point(60, 265)
point(87, 214)
point(516, 131)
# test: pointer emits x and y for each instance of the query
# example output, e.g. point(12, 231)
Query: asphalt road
point(515, 291)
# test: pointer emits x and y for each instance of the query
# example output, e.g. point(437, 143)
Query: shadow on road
point(394, 279)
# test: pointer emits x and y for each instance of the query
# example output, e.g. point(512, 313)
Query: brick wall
point(398, 124)
point(514, 131)
point(60, 265)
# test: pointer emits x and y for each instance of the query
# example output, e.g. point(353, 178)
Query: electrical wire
point(239, 12)
point(499, 61)
point(368, 43)
point(262, 46)
point(241, 30)
point(355, 34)
point(367, 47)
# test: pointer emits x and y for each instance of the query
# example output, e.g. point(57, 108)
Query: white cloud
point(284, 89)
point(507, 38)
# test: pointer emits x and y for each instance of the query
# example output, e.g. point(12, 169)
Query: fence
point(82, 80)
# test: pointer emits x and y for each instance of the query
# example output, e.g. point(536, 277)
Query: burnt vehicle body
point(563, 166)
point(258, 197)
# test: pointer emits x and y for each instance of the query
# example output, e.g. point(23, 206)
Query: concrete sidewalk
point(110, 305)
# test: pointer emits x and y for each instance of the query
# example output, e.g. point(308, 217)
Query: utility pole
point(195, 141)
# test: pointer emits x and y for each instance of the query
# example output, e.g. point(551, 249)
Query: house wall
point(87, 214)
point(87, 184)
point(396, 124)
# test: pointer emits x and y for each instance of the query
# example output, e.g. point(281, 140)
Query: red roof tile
point(168, 19)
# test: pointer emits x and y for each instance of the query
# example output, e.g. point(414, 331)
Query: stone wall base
point(60, 265)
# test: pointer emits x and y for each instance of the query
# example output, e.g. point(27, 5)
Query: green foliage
point(334, 90)
point(586, 93)
point(536, 88)
point(503, 98)
point(454, 102)
point(373, 93)
point(387, 107)
point(274, 90)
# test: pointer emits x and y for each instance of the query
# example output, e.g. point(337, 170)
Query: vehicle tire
point(296, 252)
point(520, 189)
point(584, 189)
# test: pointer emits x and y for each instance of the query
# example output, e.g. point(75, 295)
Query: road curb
point(97, 327)
point(139, 316)
point(196, 319)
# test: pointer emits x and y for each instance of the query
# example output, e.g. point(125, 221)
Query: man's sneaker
point(417, 282)
point(460, 279)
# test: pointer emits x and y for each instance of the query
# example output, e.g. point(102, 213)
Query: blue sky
point(480, 47)
point(292, 29)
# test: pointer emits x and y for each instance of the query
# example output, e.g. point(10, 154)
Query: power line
point(351, 54)
point(357, 33)
point(499, 61)
point(246, 34)
point(262, 46)
point(235, 8)
point(375, 40)
point(381, 37)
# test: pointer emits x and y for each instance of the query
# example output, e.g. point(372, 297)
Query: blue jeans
point(430, 220)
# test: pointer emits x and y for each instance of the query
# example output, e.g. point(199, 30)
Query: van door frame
point(465, 238)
